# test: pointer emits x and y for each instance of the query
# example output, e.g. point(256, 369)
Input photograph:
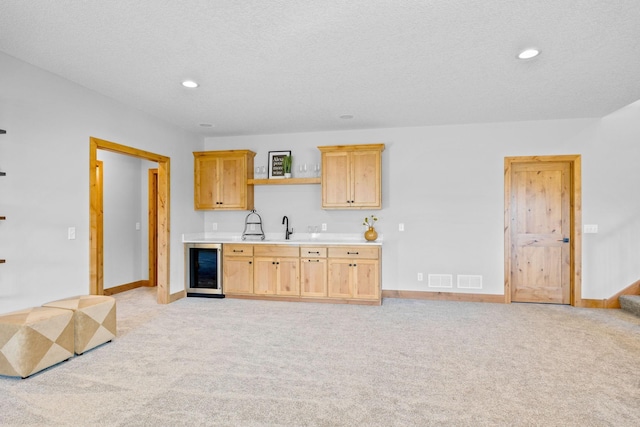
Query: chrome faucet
point(287, 233)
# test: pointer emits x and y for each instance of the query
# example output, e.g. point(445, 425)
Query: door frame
point(95, 211)
point(575, 221)
point(152, 197)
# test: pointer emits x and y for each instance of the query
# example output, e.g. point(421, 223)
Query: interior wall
point(446, 185)
point(45, 153)
point(122, 209)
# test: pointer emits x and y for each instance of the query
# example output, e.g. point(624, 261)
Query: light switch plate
point(590, 228)
point(401, 226)
point(71, 233)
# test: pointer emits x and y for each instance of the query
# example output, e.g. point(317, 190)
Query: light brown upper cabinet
point(220, 180)
point(352, 176)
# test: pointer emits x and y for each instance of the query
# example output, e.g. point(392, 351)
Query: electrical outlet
point(401, 226)
point(137, 226)
point(214, 226)
point(420, 277)
point(324, 227)
point(71, 233)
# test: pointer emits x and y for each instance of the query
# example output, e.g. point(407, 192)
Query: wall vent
point(467, 281)
point(440, 280)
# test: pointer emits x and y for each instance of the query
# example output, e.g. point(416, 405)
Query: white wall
point(46, 156)
point(122, 209)
point(445, 183)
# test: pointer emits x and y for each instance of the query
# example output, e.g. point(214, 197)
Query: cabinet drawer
point(354, 252)
point(237, 250)
point(276, 251)
point(313, 252)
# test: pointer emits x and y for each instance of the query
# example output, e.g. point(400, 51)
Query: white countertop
point(278, 238)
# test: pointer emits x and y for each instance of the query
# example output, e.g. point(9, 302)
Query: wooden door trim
point(153, 226)
point(575, 220)
point(95, 247)
point(99, 171)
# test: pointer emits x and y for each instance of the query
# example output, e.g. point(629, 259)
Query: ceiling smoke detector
point(190, 84)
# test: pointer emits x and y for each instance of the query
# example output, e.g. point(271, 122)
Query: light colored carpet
point(261, 363)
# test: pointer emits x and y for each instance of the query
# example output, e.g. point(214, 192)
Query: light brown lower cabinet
point(237, 267)
point(276, 276)
point(354, 272)
point(330, 273)
point(313, 277)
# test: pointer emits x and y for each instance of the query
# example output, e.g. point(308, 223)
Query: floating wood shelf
point(2, 218)
point(2, 131)
point(3, 174)
point(2, 261)
point(287, 181)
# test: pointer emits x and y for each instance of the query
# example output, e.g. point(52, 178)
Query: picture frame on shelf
point(276, 163)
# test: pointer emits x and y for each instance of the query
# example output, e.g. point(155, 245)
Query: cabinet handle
point(313, 260)
point(273, 262)
point(250, 262)
point(310, 252)
point(241, 250)
point(353, 253)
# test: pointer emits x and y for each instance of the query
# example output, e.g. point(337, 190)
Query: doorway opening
point(542, 229)
point(161, 244)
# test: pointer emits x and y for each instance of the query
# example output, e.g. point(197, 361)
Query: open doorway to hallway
point(161, 241)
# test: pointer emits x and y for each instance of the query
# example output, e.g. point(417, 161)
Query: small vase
point(371, 234)
point(287, 175)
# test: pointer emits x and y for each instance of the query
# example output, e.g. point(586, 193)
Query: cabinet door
point(336, 191)
point(366, 281)
point(313, 277)
point(233, 187)
point(340, 278)
point(265, 276)
point(365, 179)
point(288, 276)
point(237, 275)
point(206, 182)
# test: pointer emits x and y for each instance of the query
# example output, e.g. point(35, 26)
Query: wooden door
point(336, 191)
point(205, 191)
point(265, 276)
point(339, 285)
point(366, 281)
point(288, 276)
point(540, 226)
point(365, 179)
point(238, 275)
point(313, 277)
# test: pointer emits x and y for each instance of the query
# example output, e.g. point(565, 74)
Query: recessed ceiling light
point(206, 125)
point(190, 84)
point(346, 116)
point(528, 53)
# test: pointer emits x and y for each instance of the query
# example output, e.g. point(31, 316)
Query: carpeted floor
point(407, 363)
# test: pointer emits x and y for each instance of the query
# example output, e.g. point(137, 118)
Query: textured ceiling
point(297, 65)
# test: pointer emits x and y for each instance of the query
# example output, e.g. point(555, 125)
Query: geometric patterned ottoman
point(34, 339)
point(94, 318)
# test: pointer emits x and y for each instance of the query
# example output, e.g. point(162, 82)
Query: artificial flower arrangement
point(370, 221)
